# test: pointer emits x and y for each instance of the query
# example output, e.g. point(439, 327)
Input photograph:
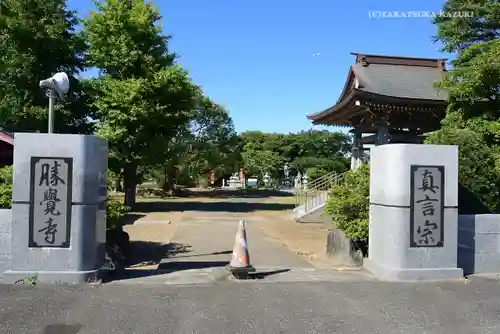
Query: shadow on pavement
point(131, 218)
point(243, 193)
point(146, 253)
point(264, 274)
point(171, 267)
point(206, 254)
point(187, 265)
point(162, 206)
point(150, 254)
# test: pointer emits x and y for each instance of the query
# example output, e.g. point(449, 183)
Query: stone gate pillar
point(413, 212)
point(58, 207)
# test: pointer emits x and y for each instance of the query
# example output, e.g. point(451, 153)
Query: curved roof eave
point(343, 93)
point(346, 99)
point(368, 94)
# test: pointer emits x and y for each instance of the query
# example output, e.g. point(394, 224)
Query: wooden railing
point(317, 191)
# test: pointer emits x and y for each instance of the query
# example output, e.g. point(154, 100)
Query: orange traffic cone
point(240, 262)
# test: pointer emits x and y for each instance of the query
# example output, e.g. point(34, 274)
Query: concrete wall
point(479, 243)
point(5, 239)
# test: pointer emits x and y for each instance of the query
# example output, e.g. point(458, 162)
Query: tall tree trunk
point(163, 179)
point(130, 184)
point(170, 171)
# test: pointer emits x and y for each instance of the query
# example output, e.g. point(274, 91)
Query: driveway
point(190, 239)
point(250, 307)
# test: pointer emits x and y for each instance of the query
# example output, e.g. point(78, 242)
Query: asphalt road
point(252, 307)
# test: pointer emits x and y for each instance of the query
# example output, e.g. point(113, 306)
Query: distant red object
point(212, 178)
point(242, 175)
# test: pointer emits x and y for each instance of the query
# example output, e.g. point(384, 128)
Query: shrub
point(115, 211)
point(479, 179)
point(349, 204)
point(112, 176)
point(6, 187)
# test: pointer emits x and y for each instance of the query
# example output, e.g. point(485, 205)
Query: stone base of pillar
point(385, 273)
point(51, 277)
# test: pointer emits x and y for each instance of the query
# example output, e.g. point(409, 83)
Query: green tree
point(259, 162)
point(478, 175)
point(139, 117)
point(38, 39)
point(125, 39)
point(317, 152)
point(143, 100)
point(474, 81)
point(206, 144)
point(473, 84)
point(212, 140)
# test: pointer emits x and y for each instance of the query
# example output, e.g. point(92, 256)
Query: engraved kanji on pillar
point(427, 206)
point(50, 202)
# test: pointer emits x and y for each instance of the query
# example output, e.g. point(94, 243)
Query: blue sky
point(255, 57)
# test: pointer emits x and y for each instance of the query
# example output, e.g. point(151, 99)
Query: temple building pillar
point(382, 133)
point(357, 149)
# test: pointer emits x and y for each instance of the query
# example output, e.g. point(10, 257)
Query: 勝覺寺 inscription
point(427, 206)
point(50, 202)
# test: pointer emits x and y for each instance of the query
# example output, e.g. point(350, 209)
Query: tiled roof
point(401, 81)
point(391, 77)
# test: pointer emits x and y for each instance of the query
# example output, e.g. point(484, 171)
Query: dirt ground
point(156, 220)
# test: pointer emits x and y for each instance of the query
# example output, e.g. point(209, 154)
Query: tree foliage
point(125, 39)
point(206, 143)
point(474, 81)
point(459, 32)
point(37, 39)
point(314, 152)
point(478, 174)
point(473, 84)
point(143, 100)
point(213, 137)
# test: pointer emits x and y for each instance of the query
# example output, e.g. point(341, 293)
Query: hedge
point(349, 202)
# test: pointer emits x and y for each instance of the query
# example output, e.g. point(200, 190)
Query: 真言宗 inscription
point(50, 202)
point(427, 206)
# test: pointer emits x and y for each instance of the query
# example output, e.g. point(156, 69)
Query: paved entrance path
point(192, 239)
point(201, 246)
point(215, 234)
